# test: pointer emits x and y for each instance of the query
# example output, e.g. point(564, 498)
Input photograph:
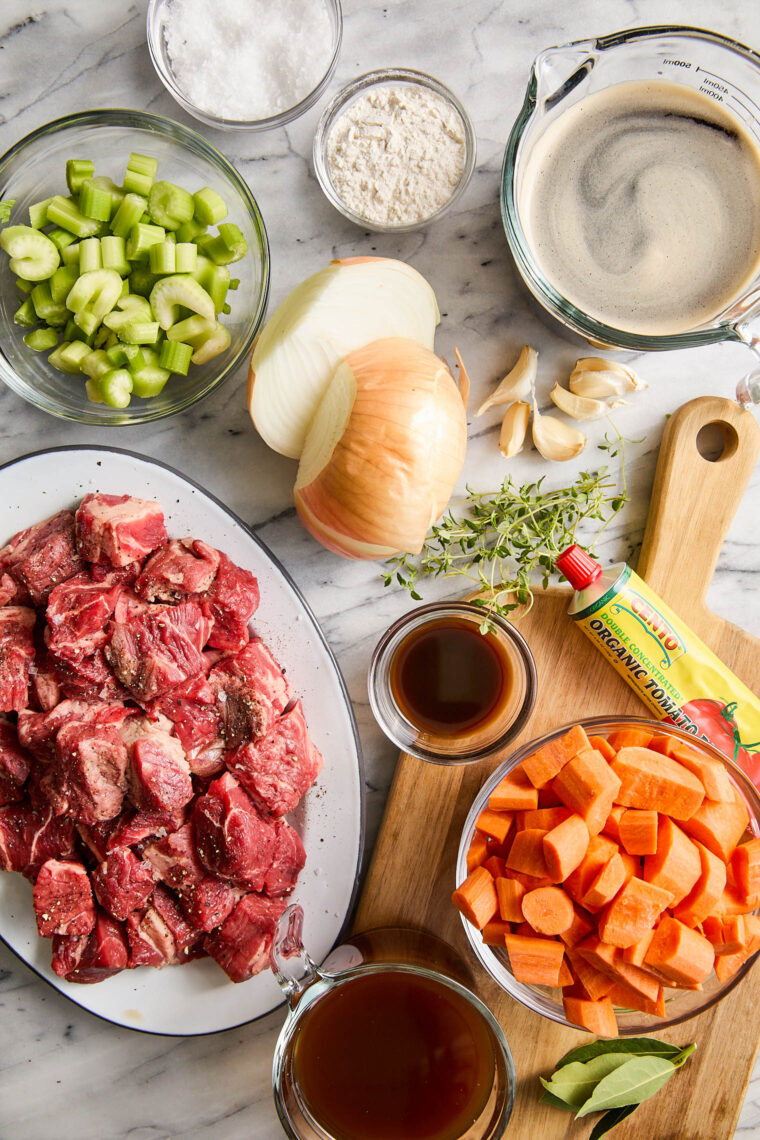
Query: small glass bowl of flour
point(394, 150)
point(245, 64)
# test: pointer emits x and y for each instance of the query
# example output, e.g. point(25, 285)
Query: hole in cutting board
point(716, 441)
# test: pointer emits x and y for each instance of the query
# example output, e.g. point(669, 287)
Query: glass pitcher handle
point(292, 967)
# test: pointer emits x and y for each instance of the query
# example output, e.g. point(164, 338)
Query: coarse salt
point(396, 154)
point(247, 59)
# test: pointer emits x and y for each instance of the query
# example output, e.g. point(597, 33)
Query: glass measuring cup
point(395, 967)
point(724, 70)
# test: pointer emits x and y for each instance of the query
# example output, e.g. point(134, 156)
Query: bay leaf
point(575, 1083)
point(607, 1122)
point(636, 1046)
point(684, 1055)
point(635, 1081)
point(555, 1102)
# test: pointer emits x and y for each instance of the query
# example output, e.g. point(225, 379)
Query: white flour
point(396, 154)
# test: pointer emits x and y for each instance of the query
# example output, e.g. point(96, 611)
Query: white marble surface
point(62, 1072)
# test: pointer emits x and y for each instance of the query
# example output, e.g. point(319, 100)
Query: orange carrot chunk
point(726, 935)
point(710, 772)
point(588, 786)
point(609, 960)
point(580, 928)
point(596, 1016)
point(494, 931)
point(726, 965)
point(638, 831)
point(612, 822)
point(732, 901)
point(476, 898)
point(629, 738)
point(745, 863)
point(544, 764)
point(676, 865)
point(654, 782)
point(566, 975)
point(680, 953)
point(624, 997)
point(719, 826)
point(635, 954)
point(527, 853)
point(565, 847)
point(545, 817)
point(600, 851)
point(632, 913)
point(535, 961)
point(496, 866)
point(605, 884)
point(603, 746)
point(514, 792)
point(707, 891)
point(510, 895)
point(548, 910)
point(595, 984)
point(494, 823)
point(477, 852)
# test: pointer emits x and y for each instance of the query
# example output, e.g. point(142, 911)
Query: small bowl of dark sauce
point(445, 692)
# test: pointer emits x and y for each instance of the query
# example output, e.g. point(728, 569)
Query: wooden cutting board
point(411, 876)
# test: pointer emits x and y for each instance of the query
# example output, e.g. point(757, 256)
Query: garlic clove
point(596, 378)
point(514, 428)
point(554, 439)
point(463, 379)
point(582, 407)
point(518, 382)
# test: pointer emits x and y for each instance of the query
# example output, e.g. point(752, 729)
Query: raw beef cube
point(63, 900)
point(16, 656)
point(37, 730)
point(180, 568)
point(104, 954)
point(206, 904)
point(252, 691)
point(241, 945)
point(89, 678)
point(42, 556)
point(277, 769)
point(191, 707)
point(122, 883)
point(159, 936)
point(135, 827)
point(90, 777)
point(15, 762)
point(231, 602)
point(156, 650)
point(118, 529)
point(95, 836)
point(78, 612)
point(287, 862)
point(10, 591)
point(185, 937)
point(44, 682)
point(159, 774)
point(29, 837)
point(174, 858)
point(234, 842)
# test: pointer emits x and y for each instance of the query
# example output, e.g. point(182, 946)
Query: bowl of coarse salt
point(245, 64)
point(394, 150)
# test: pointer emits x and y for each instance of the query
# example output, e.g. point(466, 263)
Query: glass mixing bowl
point(34, 169)
point(680, 1004)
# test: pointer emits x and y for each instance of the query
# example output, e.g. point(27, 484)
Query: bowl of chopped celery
point(134, 268)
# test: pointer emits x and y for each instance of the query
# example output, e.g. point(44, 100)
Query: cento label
point(674, 673)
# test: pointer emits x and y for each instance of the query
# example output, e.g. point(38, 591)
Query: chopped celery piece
point(215, 279)
point(113, 254)
point(217, 341)
point(95, 201)
point(73, 354)
point(234, 283)
point(130, 356)
point(185, 256)
point(93, 296)
point(141, 280)
point(149, 381)
point(38, 214)
point(103, 337)
point(124, 289)
point(176, 356)
point(41, 339)
point(89, 255)
point(171, 237)
point(96, 364)
point(128, 215)
point(78, 170)
point(24, 286)
point(33, 255)
point(189, 231)
point(92, 388)
point(116, 388)
point(210, 207)
point(163, 258)
point(232, 236)
point(26, 314)
point(69, 252)
point(72, 331)
point(181, 289)
point(169, 205)
point(62, 282)
point(203, 241)
point(59, 362)
point(193, 330)
point(48, 310)
point(135, 331)
point(63, 240)
point(141, 170)
point(131, 309)
point(226, 309)
point(62, 212)
point(116, 192)
point(141, 238)
point(5, 210)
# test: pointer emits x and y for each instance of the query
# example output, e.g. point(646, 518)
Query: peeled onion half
point(383, 452)
point(346, 305)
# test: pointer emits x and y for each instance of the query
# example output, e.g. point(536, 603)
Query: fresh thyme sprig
point(509, 538)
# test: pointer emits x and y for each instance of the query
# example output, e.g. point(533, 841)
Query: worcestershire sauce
point(394, 1055)
point(449, 679)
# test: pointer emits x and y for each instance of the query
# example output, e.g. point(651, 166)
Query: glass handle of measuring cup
point(292, 967)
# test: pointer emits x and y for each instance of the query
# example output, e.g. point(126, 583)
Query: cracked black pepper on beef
point(149, 746)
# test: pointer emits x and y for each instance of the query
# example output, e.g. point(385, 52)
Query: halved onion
point(346, 305)
point(383, 452)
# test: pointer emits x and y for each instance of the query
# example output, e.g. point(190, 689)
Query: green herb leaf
point(610, 1119)
point(634, 1046)
point(549, 1098)
point(575, 1083)
point(686, 1052)
point(635, 1081)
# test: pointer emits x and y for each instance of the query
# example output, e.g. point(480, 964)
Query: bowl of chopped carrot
point(608, 875)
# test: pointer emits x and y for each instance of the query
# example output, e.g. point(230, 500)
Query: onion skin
point(393, 470)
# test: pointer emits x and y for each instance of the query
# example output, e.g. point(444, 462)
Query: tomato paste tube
point(674, 673)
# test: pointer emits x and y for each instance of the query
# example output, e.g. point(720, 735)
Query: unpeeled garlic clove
point(514, 428)
point(582, 407)
point(463, 378)
point(596, 378)
point(518, 382)
point(554, 439)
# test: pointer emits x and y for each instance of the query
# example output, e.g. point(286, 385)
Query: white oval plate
point(198, 997)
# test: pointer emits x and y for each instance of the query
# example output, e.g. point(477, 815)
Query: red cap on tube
point(578, 567)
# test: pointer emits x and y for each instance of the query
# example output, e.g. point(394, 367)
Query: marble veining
point(63, 1072)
